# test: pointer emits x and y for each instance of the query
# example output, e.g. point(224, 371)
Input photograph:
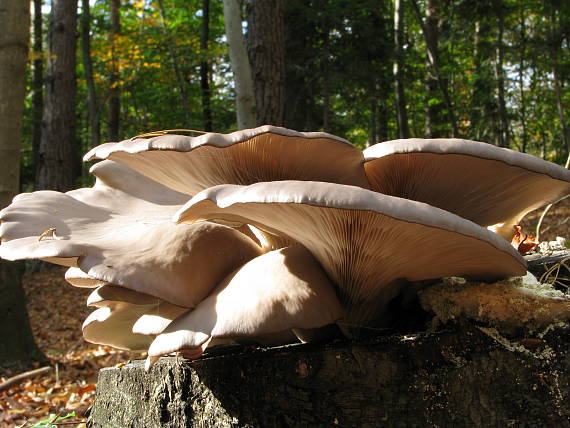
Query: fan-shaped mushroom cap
point(123, 235)
point(119, 311)
point(276, 292)
point(78, 278)
point(191, 164)
point(477, 181)
point(365, 241)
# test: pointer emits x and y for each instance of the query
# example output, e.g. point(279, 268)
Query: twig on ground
point(22, 376)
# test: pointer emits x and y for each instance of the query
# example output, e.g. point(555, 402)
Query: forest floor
point(57, 311)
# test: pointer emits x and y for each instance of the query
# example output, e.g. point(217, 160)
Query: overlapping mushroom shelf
point(266, 233)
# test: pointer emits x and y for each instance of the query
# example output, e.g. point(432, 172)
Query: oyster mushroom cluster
point(266, 234)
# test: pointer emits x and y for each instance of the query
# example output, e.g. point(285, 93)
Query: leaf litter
point(62, 395)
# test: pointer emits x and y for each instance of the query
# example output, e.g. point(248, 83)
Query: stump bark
point(464, 375)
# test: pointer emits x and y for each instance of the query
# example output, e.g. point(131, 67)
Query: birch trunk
point(245, 94)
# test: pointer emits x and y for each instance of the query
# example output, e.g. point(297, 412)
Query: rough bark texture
point(241, 68)
point(266, 47)
point(92, 103)
point(37, 84)
point(458, 377)
point(17, 347)
point(57, 148)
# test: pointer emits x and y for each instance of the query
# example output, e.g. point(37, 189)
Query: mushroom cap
point(78, 278)
point(124, 235)
point(191, 164)
point(477, 181)
point(117, 321)
point(367, 242)
point(276, 292)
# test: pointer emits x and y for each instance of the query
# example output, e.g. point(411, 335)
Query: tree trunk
point(182, 92)
point(92, 104)
point(482, 105)
point(17, 347)
point(37, 86)
point(521, 65)
point(435, 83)
point(401, 108)
point(57, 148)
point(555, 44)
point(462, 376)
point(266, 47)
point(241, 68)
point(114, 78)
point(503, 134)
point(205, 66)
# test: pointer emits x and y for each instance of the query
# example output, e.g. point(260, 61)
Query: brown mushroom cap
point(477, 181)
point(191, 164)
point(273, 293)
point(365, 241)
point(124, 235)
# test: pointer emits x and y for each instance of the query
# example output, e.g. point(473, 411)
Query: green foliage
point(340, 56)
point(51, 421)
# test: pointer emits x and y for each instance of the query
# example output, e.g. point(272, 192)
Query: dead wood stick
point(22, 376)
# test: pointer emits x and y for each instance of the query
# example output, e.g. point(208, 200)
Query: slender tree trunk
point(92, 104)
point(57, 148)
point(241, 67)
point(373, 123)
point(37, 86)
point(326, 100)
point(482, 105)
point(435, 83)
point(433, 109)
point(182, 92)
point(115, 91)
point(402, 111)
point(503, 134)
point(266, 47)
point(205, 66)
point(555, 43)
point(17, 346)
point(522, 57)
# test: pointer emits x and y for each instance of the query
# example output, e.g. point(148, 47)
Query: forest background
point(368, 70)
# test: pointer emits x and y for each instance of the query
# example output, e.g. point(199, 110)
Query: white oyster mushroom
point(279, 291)
point(491, 186)
point(366, 242)
point(123, 235)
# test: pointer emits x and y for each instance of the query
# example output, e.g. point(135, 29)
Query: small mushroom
point(276, 292)
point(477, 181)
point(119, 310)
point(367, 242)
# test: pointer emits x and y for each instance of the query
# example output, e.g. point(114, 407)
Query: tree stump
point(464, 375)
